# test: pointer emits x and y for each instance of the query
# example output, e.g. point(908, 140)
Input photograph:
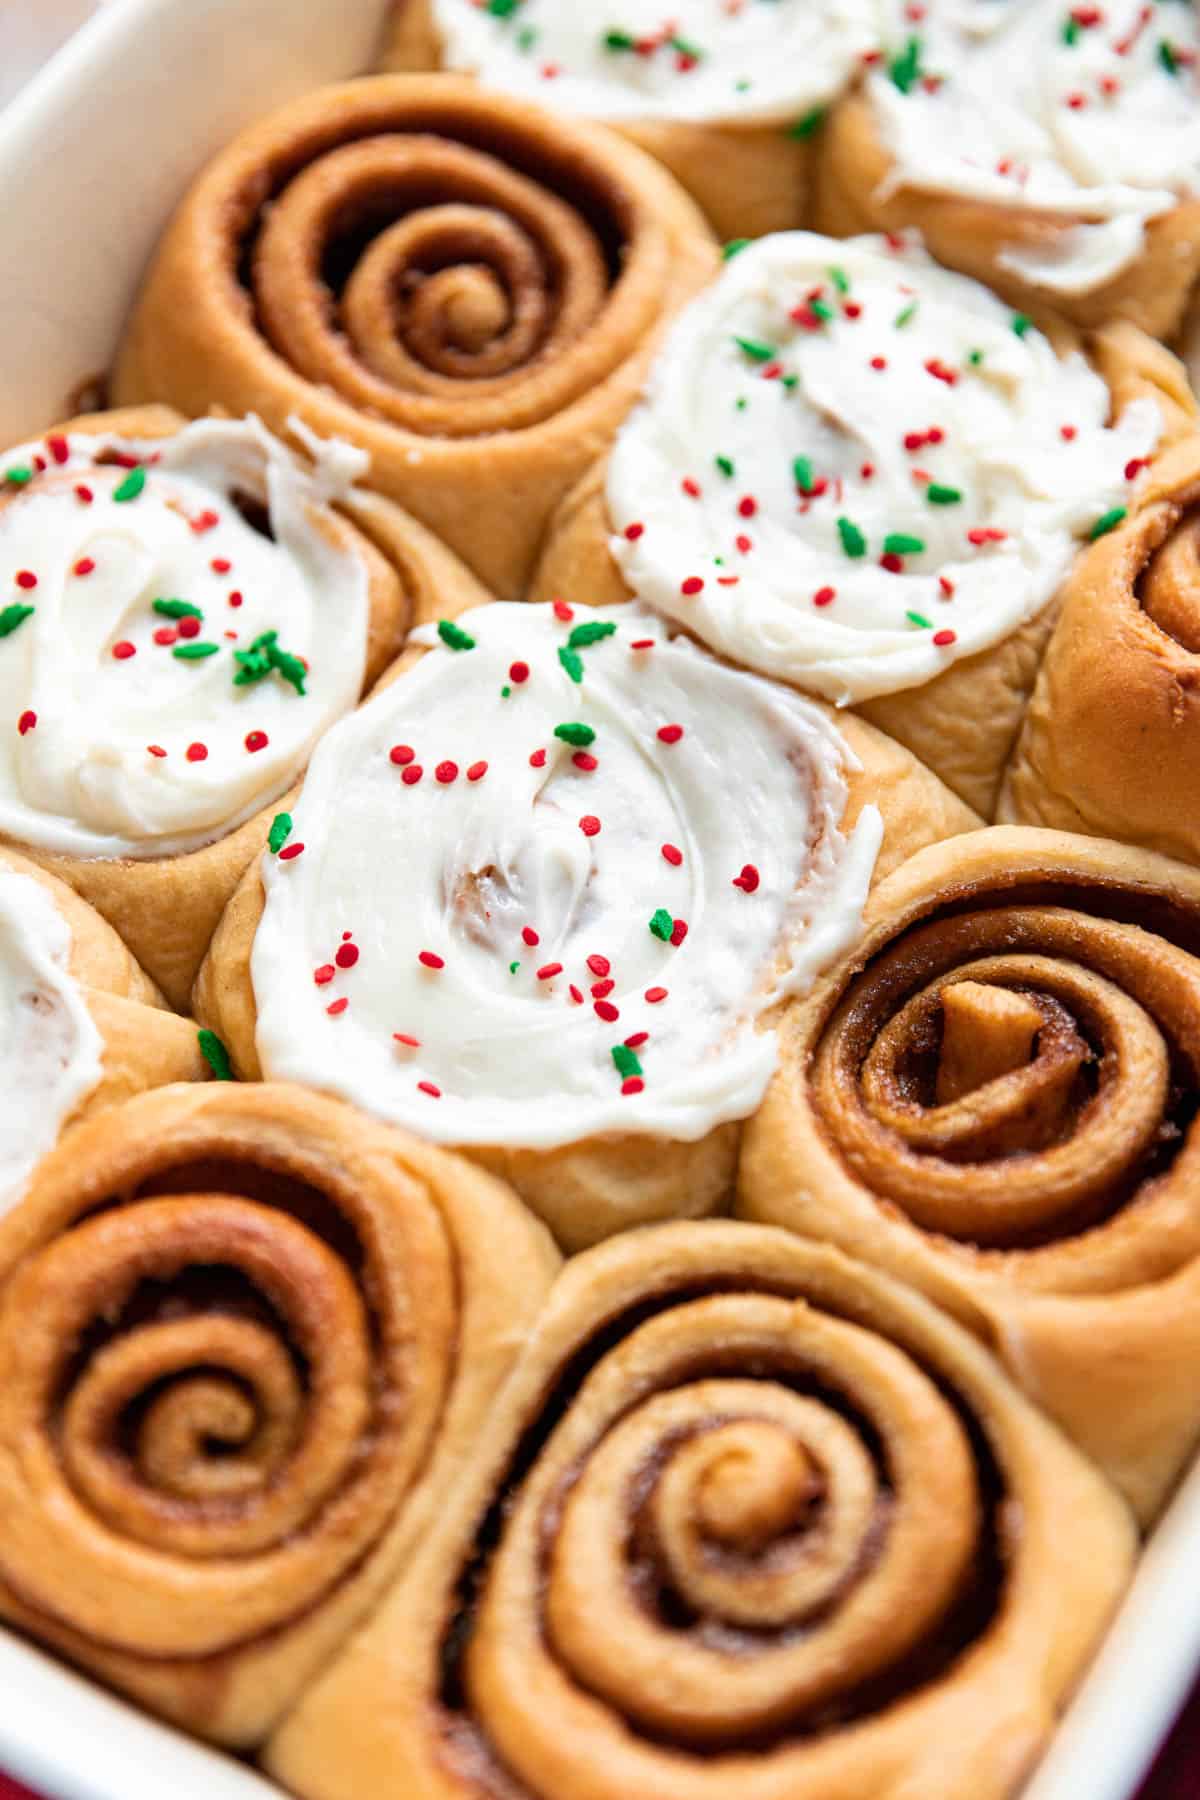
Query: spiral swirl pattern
point(715, 1560)
point(997, 1099)
point(463, 285)
point(229, 1324)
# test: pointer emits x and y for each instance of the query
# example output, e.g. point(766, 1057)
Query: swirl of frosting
point(184, 618)
point(469, 288)
point(718, 1558)
point(49, 1042)
point(854, 468)
point(1085, 117)
point(229, 1322)
point(997, 1100)
point(700, 60)
point(616, 854)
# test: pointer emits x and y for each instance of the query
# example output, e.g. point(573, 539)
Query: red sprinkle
point(220, 565)
point(59, 448)
point(84, 494)
point(403, 1037)
point(430, 959)
point(589, 825)
point(943, 638)
point(824, 596)
point(538, 760)
point(402, 754)
point(412, 774)
point(25, 578)
point(747, 506)
point(634, 532)
point(1076, 101)
point(324, 975)
point(446, 772)
point(84, 566)
point(575, 994)
point(155, 750)
point(197, 752)
point(744, 545)
point(205, 521)
point(235, 599)
point(693, 585)
point(947, 586)
point(599, 965)
point(427, 1087)
point(336, 1008)
point(1134, 467)
point(678, 932)
point(892, 563)
point(518, 672)
point(655, 994)
point(477, 771)
point(290, 852)
point(940, 372)
point(584, 760)
point(563, 611)
point(670, 734)
point(26, 722)
point(605, 1010)
point(691, 488)
point(188, 628)
point(1068, 433)
point(748, 880)
point(852, 309)
point(346, 956)
point(867, 470)
point(642, 644)
point(672, 855)
point(530, 936)
point(632, 1084)
point(124, 650)
point(879, 362)
point(602, 989)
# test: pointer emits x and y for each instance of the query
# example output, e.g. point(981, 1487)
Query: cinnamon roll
point(865, 475)
point(185, 612)
point(748, 1518)
point(540, 897)
point(466, 286)
point(1052, 152)
point(729, 97)
point(1110, 740)
point(995, 1099)
point(247, 1335)
point(80, 1025)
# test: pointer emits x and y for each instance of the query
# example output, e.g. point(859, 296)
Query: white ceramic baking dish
point(93, 157)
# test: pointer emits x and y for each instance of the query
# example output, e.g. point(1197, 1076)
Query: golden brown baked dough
point(994, 1099)
point(166, 908)
point(962, 724)
point(247, 1336)
point(482, 348)
point(1111, 740)
point(747, 180)
point(601, 1185)
point(852, 195)
point(749, 1519)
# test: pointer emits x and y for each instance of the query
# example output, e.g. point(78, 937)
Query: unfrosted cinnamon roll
point(1111, 740)
point(749, 1518)
point(995, 1098)
point(862, 474)
point(729, 97)
point(538, 897)
point(468, 287)
point(1052, 152)
point(188, 608)
point(81, 1026)
point(246, 1336)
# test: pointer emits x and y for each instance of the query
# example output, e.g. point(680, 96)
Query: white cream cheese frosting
point(49, 1046)
point(144, 710)
point(716, 60)
point(852, 467)
point(1085, 114)
point(543, 884)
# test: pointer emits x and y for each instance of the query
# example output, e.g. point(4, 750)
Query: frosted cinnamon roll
point(1053, 152)
point(244, 1333)
point(466, 286)
point(729, 97)
point(616, 856)
point(749, 1518)
point(995, 1099)
point(80, 1024)
point(1110, 740)
point(184, 613)
point(865, 475)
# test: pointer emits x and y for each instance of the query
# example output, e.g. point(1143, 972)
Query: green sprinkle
point(755, 350)
point(453, 636)
point(937, 495)
point(215, 1055)
point(263, 658)
point(741, 403)
point(1070, 31)
point(840, 280)
point(899, 543)
point(280, 832)
point(906, 315)
point(802, 470)
point(131, 487)
point(176, 609)
point(725, 465)
point(743, 86)
point(195, 652)
point(618, 40)
point(591, 633)
point(12, 616)
point(502, 9)
point(684, 47)
point(822, 309)
point(505, 691)
point(1167, 57)
point(574, 733)
point(733, 247)
point(571, 661)
point(905, 70)
point(853, 541)
point(662, 925)
point(18, 477)
point(626, 1061)
point(916, 618)
point(790, 382)
point(513, 967)
point(290, 667)
point(1107, 522)
point(975, 358)
point(1021, 324)
point(526, 38)
point(807, 123)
